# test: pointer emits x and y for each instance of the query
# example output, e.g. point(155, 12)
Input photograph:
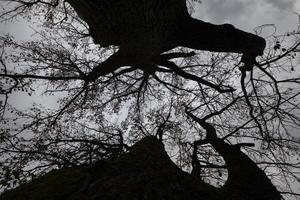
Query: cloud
point(224, 10)
point(248, 14)
point(282, 4)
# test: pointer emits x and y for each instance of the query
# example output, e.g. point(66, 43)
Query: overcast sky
point(244, 14)
point(248, 14)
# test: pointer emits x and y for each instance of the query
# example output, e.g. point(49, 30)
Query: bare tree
point(121, 75)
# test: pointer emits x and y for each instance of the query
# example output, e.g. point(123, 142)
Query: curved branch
point(244, 176)
point(171, 65)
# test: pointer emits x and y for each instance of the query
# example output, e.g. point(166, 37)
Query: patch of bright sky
point(248, 14)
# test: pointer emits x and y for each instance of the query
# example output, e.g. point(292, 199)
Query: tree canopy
point(120, 77)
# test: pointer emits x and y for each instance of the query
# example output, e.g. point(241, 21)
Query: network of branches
point(100, 119)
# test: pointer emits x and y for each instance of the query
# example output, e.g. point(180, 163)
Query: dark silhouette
point(146, 172)
point(145, 29)
point(245, 179)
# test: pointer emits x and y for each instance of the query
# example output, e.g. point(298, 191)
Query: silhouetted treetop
point(97, 77)
point(147, 173)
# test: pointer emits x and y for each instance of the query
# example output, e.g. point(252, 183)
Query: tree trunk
point(145, 173)
point(144, 29)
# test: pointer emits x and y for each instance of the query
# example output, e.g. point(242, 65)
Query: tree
point(132, 76)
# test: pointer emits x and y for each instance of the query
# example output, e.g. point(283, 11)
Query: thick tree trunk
point(145, 173)
point(119, 22)
point(163, 22)
point(245, 178)
point(144, 29)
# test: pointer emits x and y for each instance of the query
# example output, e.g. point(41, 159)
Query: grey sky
point(248, 14)
point(244, 14)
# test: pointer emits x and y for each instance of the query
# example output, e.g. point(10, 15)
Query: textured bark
point(147, 173)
